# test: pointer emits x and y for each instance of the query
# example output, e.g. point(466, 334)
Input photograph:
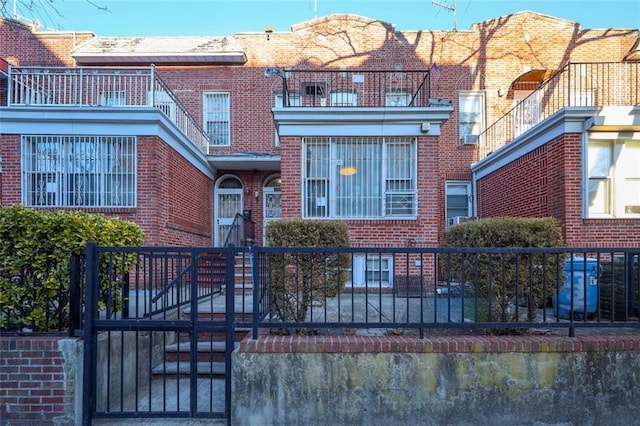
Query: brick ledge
point(440, 344)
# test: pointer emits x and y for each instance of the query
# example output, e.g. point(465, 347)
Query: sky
point(226, 17)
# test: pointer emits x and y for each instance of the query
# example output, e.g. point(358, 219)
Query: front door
point(271, 204)
point(228, 203)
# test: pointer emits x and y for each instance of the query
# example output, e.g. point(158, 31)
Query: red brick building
point(400, 133)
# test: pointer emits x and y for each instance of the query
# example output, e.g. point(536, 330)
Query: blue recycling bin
point(578, 271)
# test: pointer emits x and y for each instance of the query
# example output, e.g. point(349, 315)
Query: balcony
point(362, 88)
point(106, 87)
point(575, 85)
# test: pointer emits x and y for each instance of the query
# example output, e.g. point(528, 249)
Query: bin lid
point(579, 264)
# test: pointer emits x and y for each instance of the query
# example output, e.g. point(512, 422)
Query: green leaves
point(298, 279)
point(35, 248)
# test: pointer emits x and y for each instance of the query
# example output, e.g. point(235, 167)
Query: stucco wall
point(461, 381)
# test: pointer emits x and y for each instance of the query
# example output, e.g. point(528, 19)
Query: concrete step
point(182, 368)
point(207, 351)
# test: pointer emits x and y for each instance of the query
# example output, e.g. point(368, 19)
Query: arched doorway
point(228, 203)
point(271, 202)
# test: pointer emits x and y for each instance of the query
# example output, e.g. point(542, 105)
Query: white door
point(271, 204)
point(228, 203)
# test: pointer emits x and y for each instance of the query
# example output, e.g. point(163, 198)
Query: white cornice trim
point(360, 121)
point(112, 121)
point(567, 120)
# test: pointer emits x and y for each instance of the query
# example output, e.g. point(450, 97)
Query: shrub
point(505, 281)
point(35, 248)
point(302, 277)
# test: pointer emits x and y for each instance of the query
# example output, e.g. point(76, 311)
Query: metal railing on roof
point(575, 85)
point(353, 88)
point(100, 86)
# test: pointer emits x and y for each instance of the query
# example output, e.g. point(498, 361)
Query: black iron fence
point(311, 290)
point(160, 324)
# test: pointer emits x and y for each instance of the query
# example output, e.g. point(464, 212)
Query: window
point(581, 98)
point(79, 171)
point(294, 101)
point(527, 112)
point(397, 98)
point(359, 177)
point(216, 117)
point(165, 102)
point(457, 201)
point(344, 98)
point(471, 116)
point(114, 98)
point(613, 188)
point(373, 270)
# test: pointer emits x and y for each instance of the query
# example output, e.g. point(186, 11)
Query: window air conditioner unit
point(469, 139)
point(456, 220)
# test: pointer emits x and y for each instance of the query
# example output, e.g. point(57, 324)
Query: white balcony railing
point(97, 86)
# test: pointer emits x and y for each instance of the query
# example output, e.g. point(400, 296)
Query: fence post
point(230, 320)
point(91, 314)
point(9, 85)
point(75, 299)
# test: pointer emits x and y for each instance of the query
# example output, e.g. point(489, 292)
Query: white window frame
point(113, 98)
point(348, 98)
point(397, 98)
point(384, 187)
point(471, 114)
point(79, 171)
point(217, 112)
point(449, 187)
point(295, 100)
point(364, 270)
point(165, 102)
point(617, 176)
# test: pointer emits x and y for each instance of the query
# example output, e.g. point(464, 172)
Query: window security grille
point(359, 177)
point(79, 171)
point(216, 117)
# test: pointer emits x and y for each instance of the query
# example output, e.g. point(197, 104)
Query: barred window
point(216, 117)
point(79, 171)
point(359, 177)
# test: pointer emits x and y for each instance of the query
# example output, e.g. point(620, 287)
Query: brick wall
point(22, 46)
point(547, 182)
point(488, 58)
point(531, 186)
point(174, 205)
point(37, 381)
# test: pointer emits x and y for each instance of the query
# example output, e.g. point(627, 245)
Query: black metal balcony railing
point(361, 88)
point(99, 86)
point(575, 85)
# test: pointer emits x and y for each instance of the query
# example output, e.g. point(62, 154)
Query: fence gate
point(159, 332)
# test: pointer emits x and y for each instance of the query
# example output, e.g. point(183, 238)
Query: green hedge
point(505, 281)
point(35, 248)
point(298, 279)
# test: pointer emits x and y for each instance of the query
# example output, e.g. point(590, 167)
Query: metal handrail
point(575, 85)
point(241, 232)
point(353, 88)
point(101, 86)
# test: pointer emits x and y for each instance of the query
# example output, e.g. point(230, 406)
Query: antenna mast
point(447, 6)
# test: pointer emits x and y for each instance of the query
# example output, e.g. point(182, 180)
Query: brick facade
point(37, 381)
point(487, 58)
